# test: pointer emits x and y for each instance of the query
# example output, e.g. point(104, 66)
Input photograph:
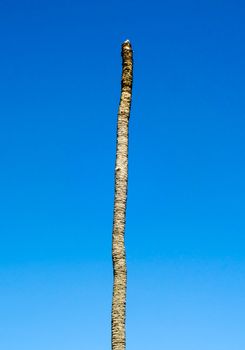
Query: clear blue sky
point(60, 69)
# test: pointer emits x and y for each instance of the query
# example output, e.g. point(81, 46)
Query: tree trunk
point(118, 336)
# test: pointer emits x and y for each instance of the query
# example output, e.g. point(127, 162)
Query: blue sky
point(60, 70)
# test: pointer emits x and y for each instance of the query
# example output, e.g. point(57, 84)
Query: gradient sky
point(60, 69)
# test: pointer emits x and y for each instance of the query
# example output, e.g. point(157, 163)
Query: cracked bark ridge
point(118, 336)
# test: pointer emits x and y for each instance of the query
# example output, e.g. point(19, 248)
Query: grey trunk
point(118, 336)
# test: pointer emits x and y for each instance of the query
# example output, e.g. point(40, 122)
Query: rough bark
point(121, 183)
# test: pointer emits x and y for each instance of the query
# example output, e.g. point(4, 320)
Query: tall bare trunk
point(120, 199)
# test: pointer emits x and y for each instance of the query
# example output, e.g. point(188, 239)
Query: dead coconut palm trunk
point(118, 336)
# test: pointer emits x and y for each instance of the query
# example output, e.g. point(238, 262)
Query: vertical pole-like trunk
point(118, 336)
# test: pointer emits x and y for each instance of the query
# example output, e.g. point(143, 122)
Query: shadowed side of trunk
point(120, 199)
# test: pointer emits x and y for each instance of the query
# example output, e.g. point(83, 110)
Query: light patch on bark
point(120, 199)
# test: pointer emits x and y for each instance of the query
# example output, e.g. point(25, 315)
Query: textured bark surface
point(120, 199)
